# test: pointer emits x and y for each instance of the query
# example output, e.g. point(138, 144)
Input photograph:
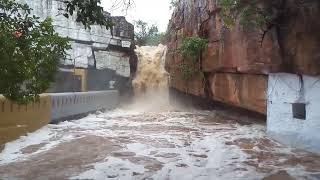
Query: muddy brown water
point(123, 144)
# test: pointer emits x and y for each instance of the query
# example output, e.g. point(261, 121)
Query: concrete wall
point(17, 120)
point(113, 60)
point(284, 90)
point(90, 48)
point(66, 81)
point(70, 104)
point(99, 80)
point(83, 74)
point(68, 27)
point(84, 80)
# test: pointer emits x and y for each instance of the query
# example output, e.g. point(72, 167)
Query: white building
point(293, 116)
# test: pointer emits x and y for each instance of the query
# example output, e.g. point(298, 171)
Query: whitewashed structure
point(89, 46)
point(294, 110)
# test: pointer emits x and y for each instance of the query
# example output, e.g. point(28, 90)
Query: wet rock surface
point(237, 60)
point(168, 145)
point(247, 91)
point(292, 46)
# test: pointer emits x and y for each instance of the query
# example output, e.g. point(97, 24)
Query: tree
point(147, 34)
point(140, 32)
point(30, 49)
point(29, 52)
point(87, 12)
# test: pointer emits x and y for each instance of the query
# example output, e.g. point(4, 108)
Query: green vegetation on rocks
point(191, 51)
point(192, 48)
point(250, 13)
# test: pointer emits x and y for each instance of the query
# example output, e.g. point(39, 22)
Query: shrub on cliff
point(255, 12)
point(262, 14)
point(192, 47)
point(191, 50)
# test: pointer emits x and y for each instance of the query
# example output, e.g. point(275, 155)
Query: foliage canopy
point(30, 49)
point(29, 52)
point(147, 35)
point(87, 12)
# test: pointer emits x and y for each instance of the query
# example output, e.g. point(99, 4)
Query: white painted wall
point(113, 60)
point(283, 90)
point(67, 27)
point(69, 104)
point(81, 54)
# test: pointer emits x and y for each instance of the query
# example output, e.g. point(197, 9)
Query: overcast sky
point(151, 11)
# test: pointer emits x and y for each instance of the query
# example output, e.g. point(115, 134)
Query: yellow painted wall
point(83, 74)
point(17, 120)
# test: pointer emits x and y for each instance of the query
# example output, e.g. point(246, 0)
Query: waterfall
point(151, 81)
point(151, 75)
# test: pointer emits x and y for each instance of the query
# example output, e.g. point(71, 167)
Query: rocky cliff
point(237, 61)
point(97, 47)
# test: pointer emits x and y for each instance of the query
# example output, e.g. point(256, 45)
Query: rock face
point(278, 77)
point(90, 47)
point(194, 86)
point(301, 38)
point(237, 61)
point(243, 90)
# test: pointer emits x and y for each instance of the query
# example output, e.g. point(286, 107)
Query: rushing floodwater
point(151, 75)
point(151, 139)
point(124, 144)
point(151, 81)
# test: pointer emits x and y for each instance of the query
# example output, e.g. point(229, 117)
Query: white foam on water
point(113, 168)
point(13, 150)
point(200, 152)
